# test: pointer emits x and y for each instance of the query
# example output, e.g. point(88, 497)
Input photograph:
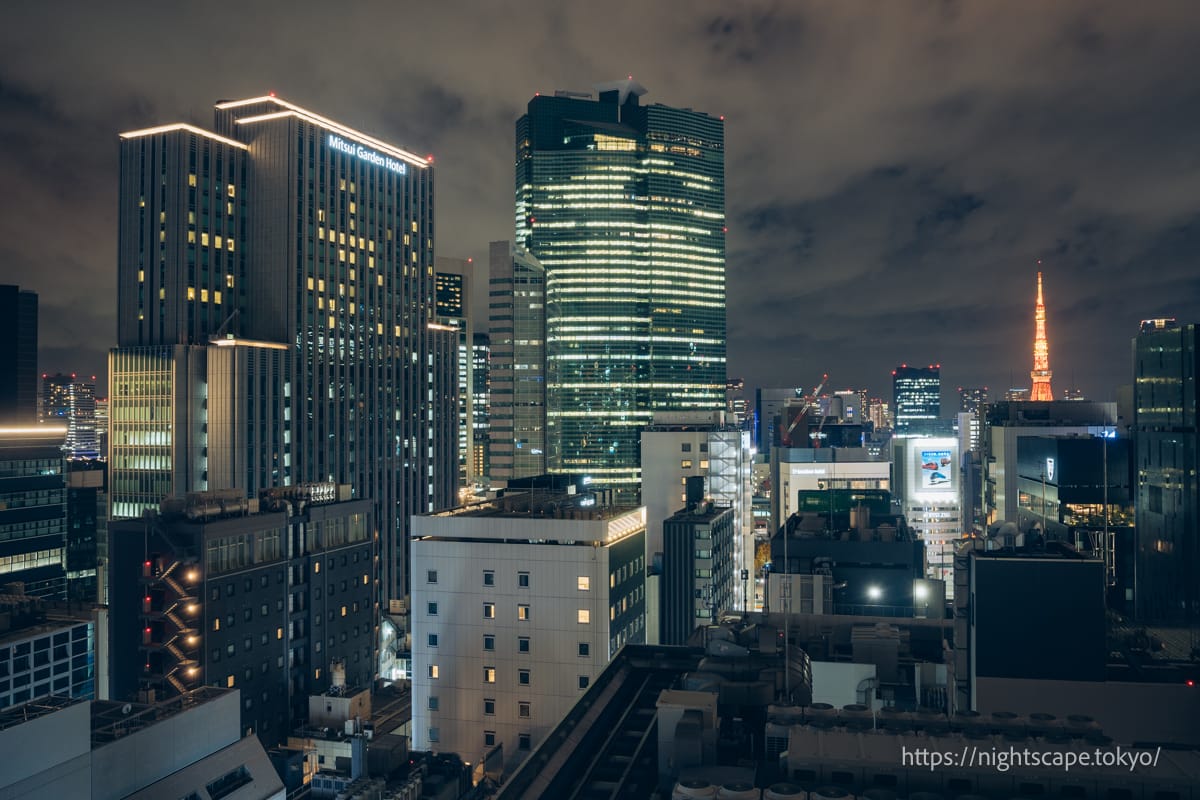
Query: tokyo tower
point(1041, 352)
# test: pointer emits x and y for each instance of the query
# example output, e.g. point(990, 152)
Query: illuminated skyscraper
point(517, 341)
point(309, 245)
point(1040, 375)
point(624, 206)
point(481, 398)
point(71, 402)
point(452, 282)
point(917, 398)
point(974, 401)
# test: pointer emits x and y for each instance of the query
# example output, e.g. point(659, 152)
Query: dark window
point(584, 648)
point(228, 783)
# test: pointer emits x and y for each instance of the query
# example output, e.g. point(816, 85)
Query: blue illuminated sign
point(366, 154)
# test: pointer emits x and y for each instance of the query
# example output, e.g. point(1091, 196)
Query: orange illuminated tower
point(1041, 353)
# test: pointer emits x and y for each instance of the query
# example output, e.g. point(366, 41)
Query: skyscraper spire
point(1041, 352)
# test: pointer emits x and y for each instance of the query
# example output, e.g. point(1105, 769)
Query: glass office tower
point(917, 398)
point(624, 207)
point(1166, 434)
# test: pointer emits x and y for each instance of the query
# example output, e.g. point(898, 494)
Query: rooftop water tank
point(830, 793)
point(693, 788)
point(738, 790)
point(784, 791)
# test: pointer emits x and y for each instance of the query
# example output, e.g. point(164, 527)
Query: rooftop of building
point(682, 422)
point(240, 771)
point(615, 713)
point(879, 528)
point(541, 504)
point(607, 744)
point(26, 712)
point(112, 720)
point(24, 617)
point(1034, 547)
point(1018, 413)
point(705, 511)
point(228, 504)
point(823, 455)
point(282, 109)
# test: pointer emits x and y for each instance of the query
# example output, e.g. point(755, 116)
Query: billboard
point(937, 469)
point(933, 466)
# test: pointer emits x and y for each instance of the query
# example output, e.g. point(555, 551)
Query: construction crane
point(785, 438)
point(815, 436)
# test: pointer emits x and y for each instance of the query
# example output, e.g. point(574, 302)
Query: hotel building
point(281, 228)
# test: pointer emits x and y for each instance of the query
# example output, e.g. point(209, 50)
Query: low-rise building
point(188, 746)
point(698, 576)
point(518, 603)
point(45, 648)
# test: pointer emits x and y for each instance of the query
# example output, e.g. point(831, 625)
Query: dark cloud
point(894, 170)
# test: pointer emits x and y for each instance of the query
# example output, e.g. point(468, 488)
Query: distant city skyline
point(894, 173)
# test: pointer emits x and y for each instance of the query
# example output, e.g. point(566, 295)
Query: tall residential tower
point(624, 206)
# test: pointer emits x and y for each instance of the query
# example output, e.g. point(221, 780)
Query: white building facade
point(708, 444)
point(928, 477)
point(515, 611)
point(797, 469)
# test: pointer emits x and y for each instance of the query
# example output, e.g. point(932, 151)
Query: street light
point(874, 592)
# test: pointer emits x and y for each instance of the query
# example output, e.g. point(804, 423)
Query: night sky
point(894, 169)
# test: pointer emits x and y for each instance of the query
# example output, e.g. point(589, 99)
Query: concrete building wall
point(538, 594)
point(140, 758)
point(793, 477)
point(49, 756)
